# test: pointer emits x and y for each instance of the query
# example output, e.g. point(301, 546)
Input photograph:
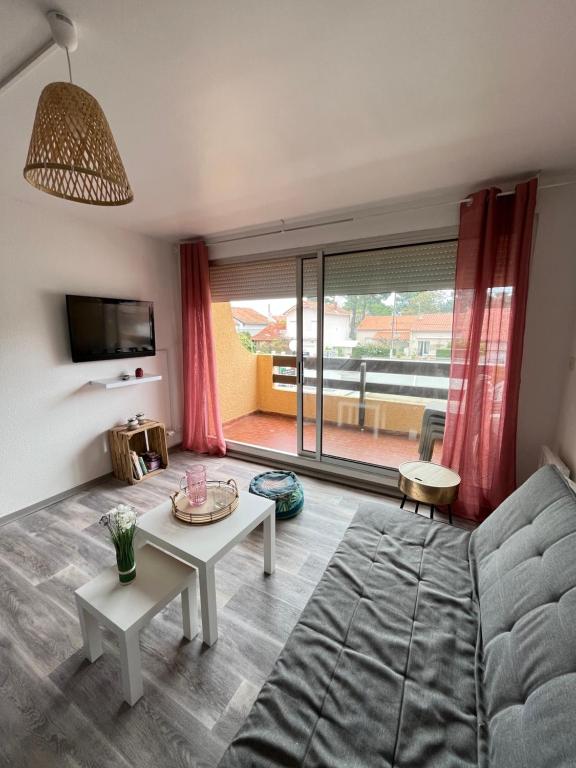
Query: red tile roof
point(329, 309)
point(495, 325)
point(272, 332)
point(382, 324)
point(248, 316)
point(399, 333)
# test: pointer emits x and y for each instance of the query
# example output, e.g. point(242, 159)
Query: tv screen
point(105, 329)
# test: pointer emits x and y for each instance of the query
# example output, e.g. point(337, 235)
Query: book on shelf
point(143, 466)
point(136, 470)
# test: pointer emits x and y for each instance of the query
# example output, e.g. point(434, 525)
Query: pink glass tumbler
point(196, 485)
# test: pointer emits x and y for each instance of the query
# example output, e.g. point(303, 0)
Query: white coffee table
point(203, 545)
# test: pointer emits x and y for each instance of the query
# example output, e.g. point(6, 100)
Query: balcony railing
point(362, 383)
point(358, 375)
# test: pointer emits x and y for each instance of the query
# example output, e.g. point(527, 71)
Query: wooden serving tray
point(222, 499)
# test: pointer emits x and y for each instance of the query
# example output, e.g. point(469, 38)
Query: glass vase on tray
point(196, 489)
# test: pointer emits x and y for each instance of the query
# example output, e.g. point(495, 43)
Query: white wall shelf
point(118, 382)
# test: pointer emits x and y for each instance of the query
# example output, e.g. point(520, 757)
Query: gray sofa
point(426, 646)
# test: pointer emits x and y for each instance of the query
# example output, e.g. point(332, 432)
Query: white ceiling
point(229, 113)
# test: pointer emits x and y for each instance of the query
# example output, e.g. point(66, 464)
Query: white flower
point(124, 516)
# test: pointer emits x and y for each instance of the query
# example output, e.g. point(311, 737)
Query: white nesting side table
point(126, 609)
point(203, 545)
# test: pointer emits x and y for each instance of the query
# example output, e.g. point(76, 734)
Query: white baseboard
point(10, 516)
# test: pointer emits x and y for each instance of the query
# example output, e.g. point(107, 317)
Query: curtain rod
point(283, 226)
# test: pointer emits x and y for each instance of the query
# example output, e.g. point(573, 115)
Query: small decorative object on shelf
point(139, 373)
point(132, 422)
point(152, 460)
point(121, 524)
point(141, 419)
point(125, 376)
point(221, 500)
point(195, 484)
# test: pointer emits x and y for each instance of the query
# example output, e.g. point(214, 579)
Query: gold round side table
point(428, 483)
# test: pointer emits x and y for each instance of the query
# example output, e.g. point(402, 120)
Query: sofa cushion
point(380, 669)
point(523, 559)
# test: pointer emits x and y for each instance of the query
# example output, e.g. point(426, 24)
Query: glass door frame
point(317, 455)
point(300, 377)
point(313, 458)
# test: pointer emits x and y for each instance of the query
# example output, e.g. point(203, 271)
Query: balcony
point(278, 432)
point(373, 408)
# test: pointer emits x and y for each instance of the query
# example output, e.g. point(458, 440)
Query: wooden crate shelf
point(123, 440)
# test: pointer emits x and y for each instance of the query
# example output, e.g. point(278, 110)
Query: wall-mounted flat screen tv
point(105, 329)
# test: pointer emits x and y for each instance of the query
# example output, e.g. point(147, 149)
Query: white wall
point(53, 425)
point(550, 318)
point(565, 437)
point(336, 327)
point(551, 307)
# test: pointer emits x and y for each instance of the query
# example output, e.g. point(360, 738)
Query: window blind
point(404, 268)
point(271, 279)
point(310, 278)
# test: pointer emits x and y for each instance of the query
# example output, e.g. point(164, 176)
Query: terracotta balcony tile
point(272, 430)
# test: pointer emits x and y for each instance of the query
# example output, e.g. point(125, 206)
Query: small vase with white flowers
point(121, 525)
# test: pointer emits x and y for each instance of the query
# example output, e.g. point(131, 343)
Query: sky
point(279, 306)
point(267, 307)
point(274, 307)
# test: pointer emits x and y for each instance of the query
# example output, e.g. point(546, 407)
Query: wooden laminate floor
point(58, 710)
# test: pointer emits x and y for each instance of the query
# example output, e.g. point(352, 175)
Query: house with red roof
point(248, 320)
point(336, 326)
point(274, 331)
point(418, 335)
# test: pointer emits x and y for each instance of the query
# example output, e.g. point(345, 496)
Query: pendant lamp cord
point(69, 65)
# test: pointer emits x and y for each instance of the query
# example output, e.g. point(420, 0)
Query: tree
point(374, 349)
point(366, 304)
point(274, 347)
point(424, 302)
point(246, 341)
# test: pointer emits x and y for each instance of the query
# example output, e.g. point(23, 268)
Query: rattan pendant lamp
point(72, 151)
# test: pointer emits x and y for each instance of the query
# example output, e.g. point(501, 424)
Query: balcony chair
point(432, 429)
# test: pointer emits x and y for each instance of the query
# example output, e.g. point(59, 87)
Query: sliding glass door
point(373, 353)
point(335, 356)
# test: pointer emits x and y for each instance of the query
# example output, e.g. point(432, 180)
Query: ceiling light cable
point(69, 65)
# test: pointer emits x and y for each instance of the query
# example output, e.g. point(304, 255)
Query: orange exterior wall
point(272, 400)
point(237, 384)
point(394, 414)
point(245, 385)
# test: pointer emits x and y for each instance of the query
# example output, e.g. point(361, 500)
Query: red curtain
point(493, 260)
point(202, 429)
